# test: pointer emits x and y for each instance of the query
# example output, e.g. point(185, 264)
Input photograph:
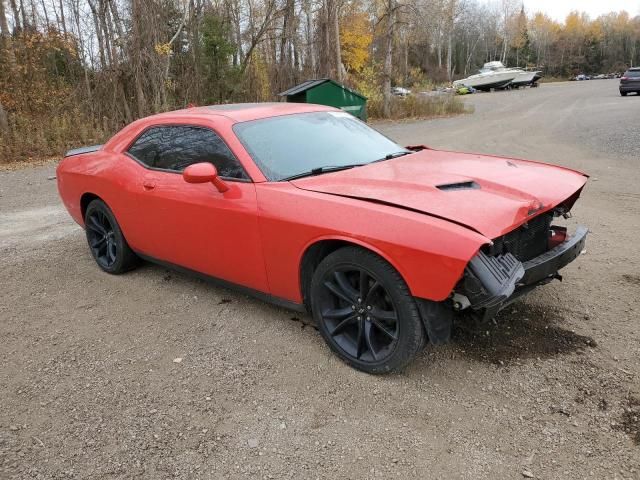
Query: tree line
point(73, 71)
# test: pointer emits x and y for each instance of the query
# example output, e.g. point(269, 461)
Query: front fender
point(430, 253)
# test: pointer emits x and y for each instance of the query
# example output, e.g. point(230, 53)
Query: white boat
point(486, 80)
point(495, 75)
point(523, 77)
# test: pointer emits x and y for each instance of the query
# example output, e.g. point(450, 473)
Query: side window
point(177, 147)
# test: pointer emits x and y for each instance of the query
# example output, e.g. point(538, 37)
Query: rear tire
point(106, 242)
point(624, 94)
point(365, 312)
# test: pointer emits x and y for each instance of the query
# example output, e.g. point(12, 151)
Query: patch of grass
point(553, 79)
point(33, 138)
point(418, 106)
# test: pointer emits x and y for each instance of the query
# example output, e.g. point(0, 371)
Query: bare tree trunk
point(107, 31)
point(449, 56)
point(16, 14)
point(325, 44)
point(75, 11)
point(388, 57)
point(4, 120)
point(116, 19)
point(165, 76)
point(23, 13)
point(406, 61)
point(99, 33)
point(283, 73)
point(137, 19)
point(238, 38)
point(439, 46)
point(329, 33)
point(46, 15)
point(336, 39)
point(5, 38)
point(310, 60)
point(62, 19)
point(194, 35)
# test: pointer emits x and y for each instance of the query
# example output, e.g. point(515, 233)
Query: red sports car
point(309, 208)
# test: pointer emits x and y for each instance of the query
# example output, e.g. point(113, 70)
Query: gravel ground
point(157, 375)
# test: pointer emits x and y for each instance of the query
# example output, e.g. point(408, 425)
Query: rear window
point(632, 73)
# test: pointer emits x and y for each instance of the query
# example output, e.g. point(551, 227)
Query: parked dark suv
point(630, 81)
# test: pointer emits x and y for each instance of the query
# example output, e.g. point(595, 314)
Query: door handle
point(148, 185)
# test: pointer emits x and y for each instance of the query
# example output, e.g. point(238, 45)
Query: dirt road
point(91, 385)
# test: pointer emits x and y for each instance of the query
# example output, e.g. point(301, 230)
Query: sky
point(558, 9)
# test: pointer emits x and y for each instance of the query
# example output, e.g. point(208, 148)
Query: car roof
point(634, 69)
point(242, 112)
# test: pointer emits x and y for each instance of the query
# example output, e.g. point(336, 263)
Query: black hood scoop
point(458, 186)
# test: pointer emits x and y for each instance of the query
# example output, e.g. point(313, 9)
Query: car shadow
point(522, 331)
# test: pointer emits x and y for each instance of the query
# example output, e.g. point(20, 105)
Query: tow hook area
point(460, 302)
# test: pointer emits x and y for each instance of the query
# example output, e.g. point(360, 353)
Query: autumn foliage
point(72, 72)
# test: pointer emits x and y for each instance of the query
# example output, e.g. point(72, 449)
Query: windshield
point(632, 73)
point(291, 145)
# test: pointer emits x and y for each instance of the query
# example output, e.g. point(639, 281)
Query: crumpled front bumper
point(493, 282)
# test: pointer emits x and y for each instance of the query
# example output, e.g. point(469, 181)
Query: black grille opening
point(527, 241)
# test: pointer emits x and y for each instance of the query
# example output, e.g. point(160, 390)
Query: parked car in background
point(400, 91)
point(630, 82)
point(310, 208)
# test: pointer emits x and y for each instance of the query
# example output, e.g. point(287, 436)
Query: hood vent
point(458, 186)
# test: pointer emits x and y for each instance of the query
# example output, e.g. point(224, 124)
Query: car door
point(194, 225)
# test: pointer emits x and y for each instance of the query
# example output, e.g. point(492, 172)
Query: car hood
point(490, 195)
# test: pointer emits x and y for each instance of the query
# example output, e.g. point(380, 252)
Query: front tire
point(365, 312)
point(624, 94)
point(106, 242)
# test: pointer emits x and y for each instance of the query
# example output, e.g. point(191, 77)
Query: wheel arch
point(318, 249)
point(85, 200)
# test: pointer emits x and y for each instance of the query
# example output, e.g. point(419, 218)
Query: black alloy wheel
point(106, 242)
point(365, 312)
point(101, 237)
point(359, 314)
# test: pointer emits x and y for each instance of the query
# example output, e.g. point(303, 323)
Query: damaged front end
point(515, 263)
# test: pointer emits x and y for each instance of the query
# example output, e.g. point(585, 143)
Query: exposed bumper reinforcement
point(492, 283)
point(548, 264)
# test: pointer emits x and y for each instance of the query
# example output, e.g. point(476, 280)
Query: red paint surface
point(255, 233)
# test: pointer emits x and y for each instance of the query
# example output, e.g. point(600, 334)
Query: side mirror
point(204, 173)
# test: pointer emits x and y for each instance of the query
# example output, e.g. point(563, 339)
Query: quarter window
point(176, 147)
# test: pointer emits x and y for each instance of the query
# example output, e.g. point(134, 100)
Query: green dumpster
point(327, 92)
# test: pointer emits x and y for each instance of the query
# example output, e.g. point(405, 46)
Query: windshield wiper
point(393, 155)
point(320, 171)
point(337, 168)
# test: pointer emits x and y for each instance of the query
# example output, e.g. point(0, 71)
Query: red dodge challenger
point(309, 208)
